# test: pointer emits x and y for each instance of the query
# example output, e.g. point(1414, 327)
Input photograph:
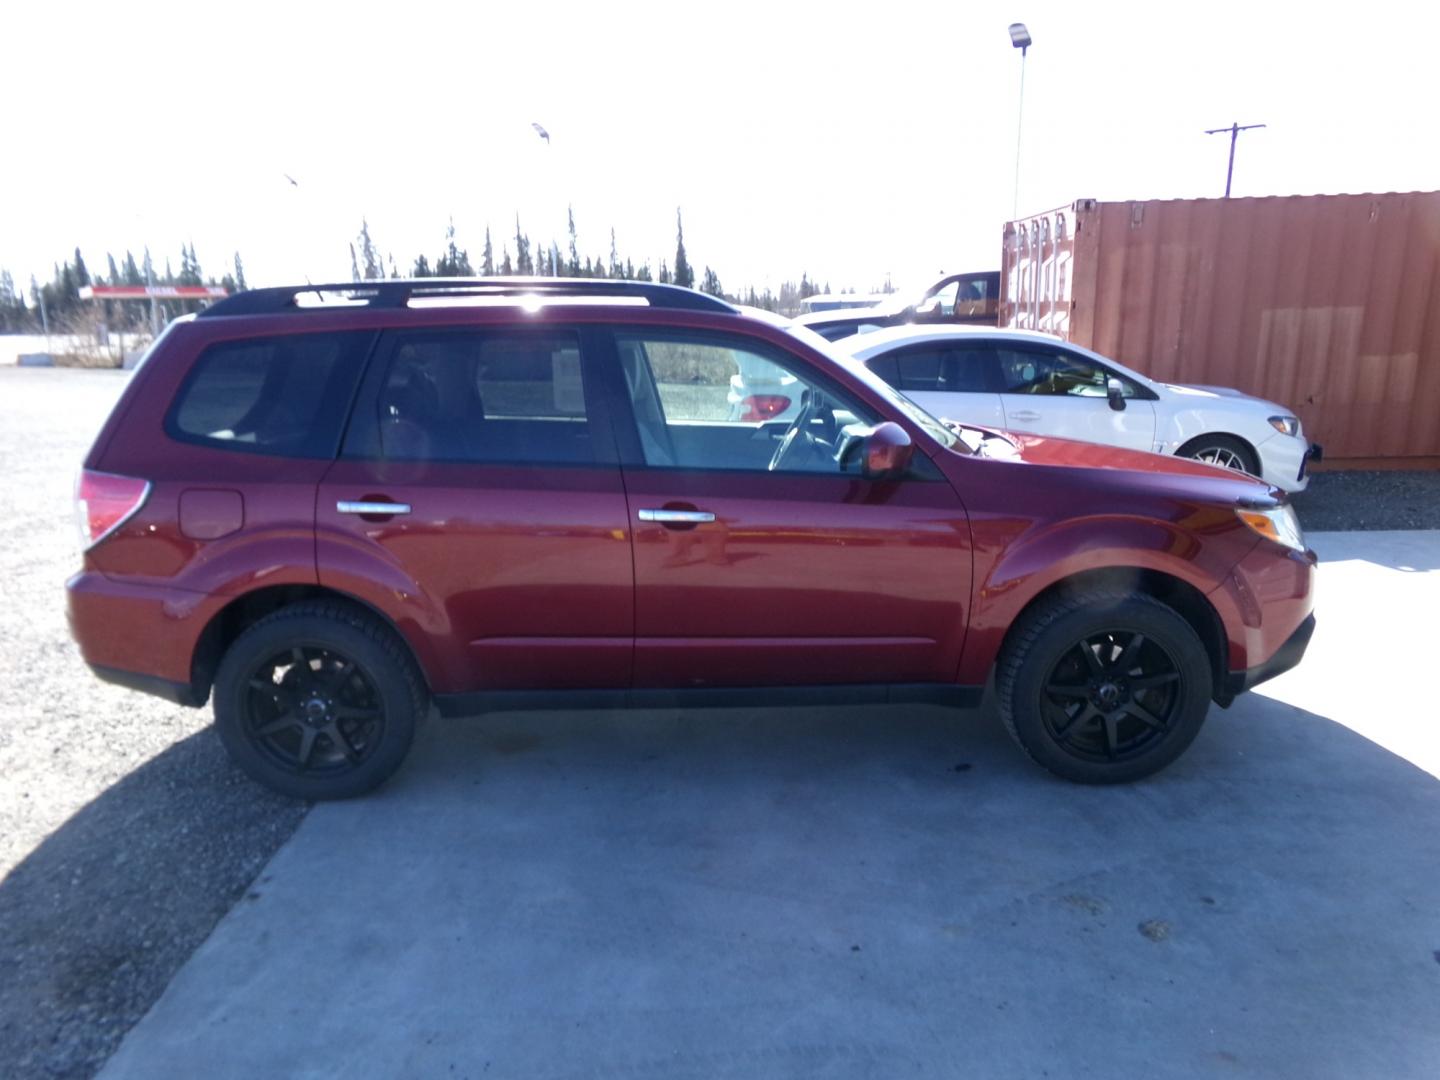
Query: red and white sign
point(159, 292)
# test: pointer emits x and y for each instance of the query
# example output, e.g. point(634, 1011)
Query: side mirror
point(1115, 391)
point(886, 453)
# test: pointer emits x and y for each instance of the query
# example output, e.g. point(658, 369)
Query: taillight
point(104, 502)
point(761, 407)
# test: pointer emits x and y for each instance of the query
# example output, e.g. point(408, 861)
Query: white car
point(1039, 384)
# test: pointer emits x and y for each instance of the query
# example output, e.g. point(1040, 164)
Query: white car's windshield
point(932, 427)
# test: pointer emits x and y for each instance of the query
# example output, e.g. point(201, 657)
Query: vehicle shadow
point(97, 919)
point(856, 891)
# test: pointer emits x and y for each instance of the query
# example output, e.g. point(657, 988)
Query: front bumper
point(1285, 658)
point(1285, 460)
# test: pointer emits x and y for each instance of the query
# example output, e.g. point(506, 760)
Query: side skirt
point(710, 697)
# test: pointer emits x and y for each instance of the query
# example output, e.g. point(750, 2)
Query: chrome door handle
point(688, 517)
point(345, 506)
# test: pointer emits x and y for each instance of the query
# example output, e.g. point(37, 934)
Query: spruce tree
point(683, 274)
point(370, 265)
point(711, 283)
point(240, 285)
point(615, 267)
point(114, 271)
point(573, 269)
point(487, 259)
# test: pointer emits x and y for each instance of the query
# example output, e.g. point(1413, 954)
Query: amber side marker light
point(1278, 524)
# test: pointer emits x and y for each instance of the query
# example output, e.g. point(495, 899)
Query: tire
point(318, 701)
point(1086, 718)
point(1225, 451)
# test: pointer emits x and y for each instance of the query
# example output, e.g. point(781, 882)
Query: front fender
point(1200, 552)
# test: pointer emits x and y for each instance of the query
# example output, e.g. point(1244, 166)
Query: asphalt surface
point(124, 832)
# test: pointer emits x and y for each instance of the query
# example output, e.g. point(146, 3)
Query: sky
point(848, 141)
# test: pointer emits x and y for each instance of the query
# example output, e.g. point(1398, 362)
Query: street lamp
point(1020, 39)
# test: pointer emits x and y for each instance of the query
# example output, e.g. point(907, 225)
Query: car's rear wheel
point(1224, 450)
point(318, 701)
point(1104, 687)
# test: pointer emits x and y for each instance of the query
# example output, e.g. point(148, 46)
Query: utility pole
point(1234, 130)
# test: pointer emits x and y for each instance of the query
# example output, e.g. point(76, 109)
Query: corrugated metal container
point(1329, 304)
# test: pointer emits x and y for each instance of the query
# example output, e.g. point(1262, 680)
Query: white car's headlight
point(1286, 425)
point(1279, 524)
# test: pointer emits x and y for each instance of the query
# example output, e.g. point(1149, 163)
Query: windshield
point(931, 426)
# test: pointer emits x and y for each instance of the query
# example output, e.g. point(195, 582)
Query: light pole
point(1020, 39)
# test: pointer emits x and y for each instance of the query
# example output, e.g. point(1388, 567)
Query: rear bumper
point(139, 636)
point(1285, 658)
point(174, 692)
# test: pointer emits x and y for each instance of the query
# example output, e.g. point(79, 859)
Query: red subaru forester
point(334, 506)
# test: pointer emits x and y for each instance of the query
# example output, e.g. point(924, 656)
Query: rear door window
point(938, 369)
point(480, 396)
point(285, 396)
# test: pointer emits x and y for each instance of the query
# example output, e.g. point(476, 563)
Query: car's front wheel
point(1224, 450)
point(318, 701)
point(1103, 687)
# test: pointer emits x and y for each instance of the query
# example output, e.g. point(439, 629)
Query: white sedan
point(1037, 383)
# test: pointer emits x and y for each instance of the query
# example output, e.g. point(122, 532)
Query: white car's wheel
point(1222, 450)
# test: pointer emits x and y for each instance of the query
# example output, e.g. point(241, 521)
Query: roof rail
point(397, 293)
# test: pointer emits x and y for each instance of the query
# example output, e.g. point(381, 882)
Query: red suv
point(335, 506)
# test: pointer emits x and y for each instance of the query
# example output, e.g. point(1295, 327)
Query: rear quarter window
point(286, 396)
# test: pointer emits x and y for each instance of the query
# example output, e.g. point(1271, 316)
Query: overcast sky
point(845, 140)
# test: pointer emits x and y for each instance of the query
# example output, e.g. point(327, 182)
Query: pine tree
point(711, 283)
point(487, 260)
point(240, 285)
point(665, 278)
point(369, 255)
point(422, 267)
point(507, 269)
point(133, 275)
point(643, 274)
point(573, 269)
point(615, 268)
point(82, 275)
point(354, 266)
point(524, 266)
point(113, 276)
point(453, 262)
point(684, 276)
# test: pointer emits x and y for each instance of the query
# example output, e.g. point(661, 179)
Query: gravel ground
point(125, 834)
point(1339, 501)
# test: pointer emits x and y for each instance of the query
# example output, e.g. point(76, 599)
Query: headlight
point(1278, 524)
point(1286, 425)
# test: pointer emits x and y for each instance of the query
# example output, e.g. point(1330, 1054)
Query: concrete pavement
point(865, 892)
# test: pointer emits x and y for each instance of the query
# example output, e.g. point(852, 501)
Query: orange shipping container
point(1329, 304)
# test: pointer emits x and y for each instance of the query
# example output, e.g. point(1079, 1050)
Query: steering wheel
point(800, 426)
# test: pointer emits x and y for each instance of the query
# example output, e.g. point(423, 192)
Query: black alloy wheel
point(1112, 695)
point(311, 709)
point(1103, 687)
point(319, 700)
